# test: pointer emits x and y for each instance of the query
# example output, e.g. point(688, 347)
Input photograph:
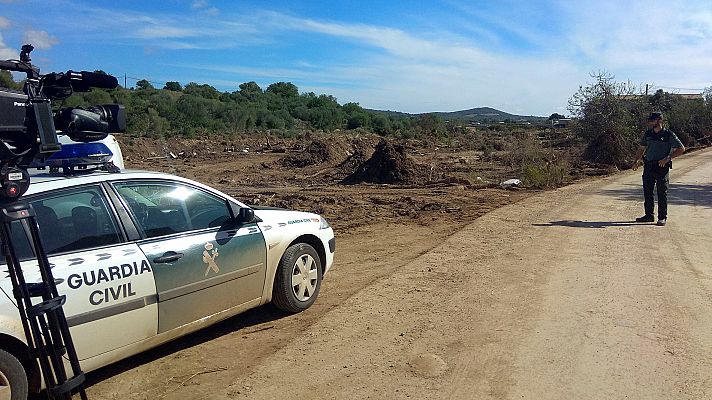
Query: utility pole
point(646, 90)
point(646, 86)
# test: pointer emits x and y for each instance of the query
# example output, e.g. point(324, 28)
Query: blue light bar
point(79, 154)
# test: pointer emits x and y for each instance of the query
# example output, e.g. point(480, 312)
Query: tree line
point(608, 116)
point(200, 109)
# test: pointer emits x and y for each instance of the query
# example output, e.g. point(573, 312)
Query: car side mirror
point(241, 215)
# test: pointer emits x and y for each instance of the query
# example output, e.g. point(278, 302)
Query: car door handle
point(168, 257)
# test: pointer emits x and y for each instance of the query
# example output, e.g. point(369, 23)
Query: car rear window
point(70, 220)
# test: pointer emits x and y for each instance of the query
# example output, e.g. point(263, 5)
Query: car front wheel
point(298, 278)
point(13, 380)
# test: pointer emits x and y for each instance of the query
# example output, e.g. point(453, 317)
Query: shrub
point(546, 174)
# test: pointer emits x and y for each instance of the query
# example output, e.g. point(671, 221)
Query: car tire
point(13, 378)
point(298, 278)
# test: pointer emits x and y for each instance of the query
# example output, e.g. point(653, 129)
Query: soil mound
point(353, 162)
point(360, 151)
point(317, 152)
point(389, 164)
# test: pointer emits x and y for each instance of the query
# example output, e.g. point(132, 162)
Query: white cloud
point(167, 31)
point(163, 31)
point(39, 39)
point(669, 43)
point(505, 18)
point(205, 8)
point(417, 74)
point(4, 22)
point(212, 11)
point(7, 53)
point(666, 43)
point(394, 41)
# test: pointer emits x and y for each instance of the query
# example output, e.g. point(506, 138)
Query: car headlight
point(324, 223)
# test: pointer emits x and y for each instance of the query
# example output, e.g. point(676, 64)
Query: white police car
point(145, 257)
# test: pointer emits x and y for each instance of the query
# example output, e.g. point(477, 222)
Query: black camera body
point(22, 122)
point(18, 119)
point(29, 126)
point(14, 111)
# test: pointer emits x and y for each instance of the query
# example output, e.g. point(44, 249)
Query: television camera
point(29, 126)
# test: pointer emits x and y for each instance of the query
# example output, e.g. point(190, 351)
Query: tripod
point(44, 322)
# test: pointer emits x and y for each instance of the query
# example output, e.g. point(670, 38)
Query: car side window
point(70, 220)
point(75, 220)
point(165, 208)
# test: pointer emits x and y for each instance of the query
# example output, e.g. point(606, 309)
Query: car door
point(203, 263)
point(109, 287)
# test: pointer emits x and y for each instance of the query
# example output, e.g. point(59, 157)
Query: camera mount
point(28, 136)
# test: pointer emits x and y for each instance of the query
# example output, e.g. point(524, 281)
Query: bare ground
point(558, 296)
point(379, 229)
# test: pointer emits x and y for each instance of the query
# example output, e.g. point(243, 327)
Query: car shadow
point(590, 224)
point(255, 316)
point(699, 195)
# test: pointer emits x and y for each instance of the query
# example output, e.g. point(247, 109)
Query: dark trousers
point(655, 175)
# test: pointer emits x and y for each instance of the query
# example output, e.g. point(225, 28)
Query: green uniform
point(657, 146)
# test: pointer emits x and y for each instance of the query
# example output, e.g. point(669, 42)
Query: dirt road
point(556, 297)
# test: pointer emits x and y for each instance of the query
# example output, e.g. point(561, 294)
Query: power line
point(677, 88)
point(142, 79)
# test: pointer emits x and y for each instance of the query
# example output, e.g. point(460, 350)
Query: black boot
point(645, 218)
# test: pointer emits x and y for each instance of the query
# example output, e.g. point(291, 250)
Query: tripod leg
point(45, 325)
point(57, 317)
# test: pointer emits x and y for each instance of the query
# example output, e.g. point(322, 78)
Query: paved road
point(559, 296)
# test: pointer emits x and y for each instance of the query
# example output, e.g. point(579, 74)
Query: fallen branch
point(210, 371)
point(259, 330)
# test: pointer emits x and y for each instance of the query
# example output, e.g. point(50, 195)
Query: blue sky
point(524, 57)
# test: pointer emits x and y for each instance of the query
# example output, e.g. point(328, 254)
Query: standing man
point(658, 147)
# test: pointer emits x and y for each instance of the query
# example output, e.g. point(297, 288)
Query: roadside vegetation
point(610, 117)
point(607, 119)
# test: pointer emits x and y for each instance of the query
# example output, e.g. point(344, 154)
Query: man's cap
point(655, 116)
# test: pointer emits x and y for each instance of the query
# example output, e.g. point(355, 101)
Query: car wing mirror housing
point(241, 215)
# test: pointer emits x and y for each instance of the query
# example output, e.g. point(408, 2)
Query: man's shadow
point(590, 224)
point(696, 195)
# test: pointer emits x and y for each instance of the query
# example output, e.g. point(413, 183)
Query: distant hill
point(479, 114)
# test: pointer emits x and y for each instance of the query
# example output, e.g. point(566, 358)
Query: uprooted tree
point(605, 120)
point(611, 118)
